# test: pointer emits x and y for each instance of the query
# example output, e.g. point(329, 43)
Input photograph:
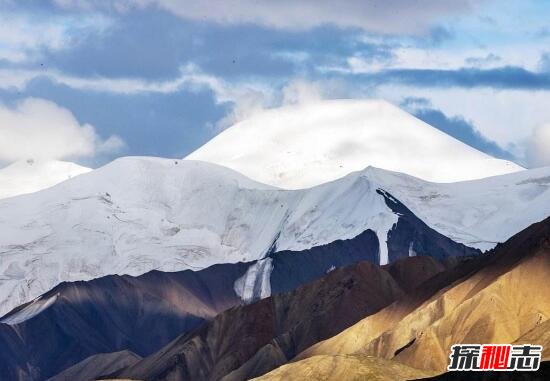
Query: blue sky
point(92, 80)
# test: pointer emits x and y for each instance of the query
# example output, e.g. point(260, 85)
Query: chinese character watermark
point(495, 357)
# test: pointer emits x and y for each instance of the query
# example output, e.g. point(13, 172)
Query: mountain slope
point(478, 213)
point(97, 366)
point(346, 368)
point(305, 145)
point(28, 176)
point(506, 299)
point(543, 374)
point(249, 340)
point(139, 214)
point(110, 314)
point(79, 319)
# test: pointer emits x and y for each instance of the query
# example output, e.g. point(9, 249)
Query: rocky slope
point(110, 314)
point(346, 368)
point(89, 318)
point(415, 308)
point(543, 374)
point(97, 366)
point(250, 340)
point(505, 299)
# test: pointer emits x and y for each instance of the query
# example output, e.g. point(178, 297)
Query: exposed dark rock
point(250, 340)
point(113, 313)
point(411, 236)
point(144, 313)
point(97, 366)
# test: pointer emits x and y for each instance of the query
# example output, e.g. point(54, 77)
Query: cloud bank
point(390, 16)
point(37, 128)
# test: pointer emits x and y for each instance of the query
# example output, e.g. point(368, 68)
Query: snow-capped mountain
point(305, 145)
point(139, 214)
point(27, 176)
point(479, 213)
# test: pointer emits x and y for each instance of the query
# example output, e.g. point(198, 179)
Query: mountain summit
point(28, 176)
point(305, 145)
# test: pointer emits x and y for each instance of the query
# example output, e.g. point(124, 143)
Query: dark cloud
point(455, 126)
point(508, 77)
point(153, 44)
point(387, 17)
point(481, 61)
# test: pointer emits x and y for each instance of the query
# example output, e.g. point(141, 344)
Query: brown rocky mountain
point(504, 299)
point(346, 367)
point(543, 374)
point(97, 366)
point(247, 341)
point(144, 313)
point(111, 314)
point(362, 321)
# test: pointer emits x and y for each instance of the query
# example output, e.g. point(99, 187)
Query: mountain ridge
point(138, 214)
point(29, 176)
point(505, 300)
point(304, 145)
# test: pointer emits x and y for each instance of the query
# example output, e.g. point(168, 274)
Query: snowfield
point(137, 214)
point(305, 145)
point(27, 176)
point(478, 213)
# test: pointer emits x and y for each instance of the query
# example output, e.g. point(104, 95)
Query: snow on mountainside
point(478, 213)
point(27, 176)
point(305, 145)
point(138, 214)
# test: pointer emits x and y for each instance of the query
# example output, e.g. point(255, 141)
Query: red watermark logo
point(495, 357)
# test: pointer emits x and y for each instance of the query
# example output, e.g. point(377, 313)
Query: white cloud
point(246, 97)
point(243, 107)
point(301, 91)
point(537, 152)
point(505, 116)
point(19, 36)
point(391, 16)
point(20, 78)
point(23, 36)
point(526, 56)
point(295, 91)
point(248, 101)
point(37, 128)
point(190, 78)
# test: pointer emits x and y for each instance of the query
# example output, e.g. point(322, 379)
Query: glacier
point(138, 214)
